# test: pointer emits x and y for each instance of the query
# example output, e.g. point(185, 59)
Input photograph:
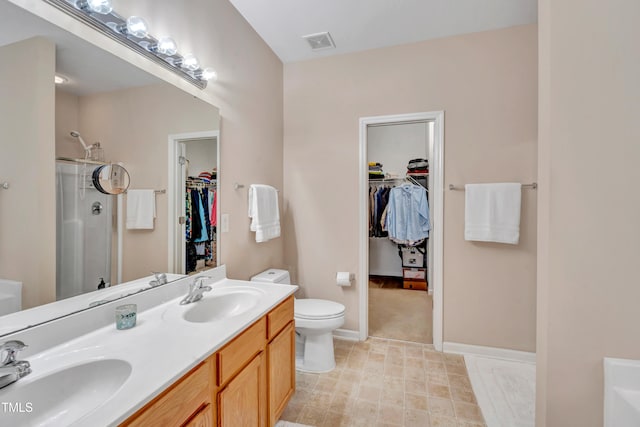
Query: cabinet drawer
point(180, 402)
point(279, 317)
point(241, 350)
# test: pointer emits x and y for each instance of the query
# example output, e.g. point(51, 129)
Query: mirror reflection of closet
point(399, 307)
point(199, 179)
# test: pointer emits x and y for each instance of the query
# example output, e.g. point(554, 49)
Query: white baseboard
point(347, 334)
point(498, 353)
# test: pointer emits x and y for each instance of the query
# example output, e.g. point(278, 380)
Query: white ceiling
point(357, 25)
point(89, 69)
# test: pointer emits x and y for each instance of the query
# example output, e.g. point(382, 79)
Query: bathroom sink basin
point(222, 304)
point(65, 396)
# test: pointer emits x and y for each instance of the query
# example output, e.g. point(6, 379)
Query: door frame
point(175, 199)
point(436, 195)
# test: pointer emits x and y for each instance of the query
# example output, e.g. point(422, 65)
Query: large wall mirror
point(64, 245)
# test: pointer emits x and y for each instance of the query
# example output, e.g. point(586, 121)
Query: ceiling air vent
point(320, 41)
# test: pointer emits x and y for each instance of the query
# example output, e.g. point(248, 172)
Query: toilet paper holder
point(344, 278)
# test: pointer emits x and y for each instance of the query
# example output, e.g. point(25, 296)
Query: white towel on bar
point(264, 212)
point(492, 212)
point(141, 209)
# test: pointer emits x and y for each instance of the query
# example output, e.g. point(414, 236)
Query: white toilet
point(315, 319)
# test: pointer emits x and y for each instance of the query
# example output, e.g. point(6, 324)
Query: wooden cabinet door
point(243, 402)
point(204, 418)
point(281, 355)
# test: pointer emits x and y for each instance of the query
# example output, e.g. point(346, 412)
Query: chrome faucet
point(196, 289)
point(11, 370)
point(161, 279)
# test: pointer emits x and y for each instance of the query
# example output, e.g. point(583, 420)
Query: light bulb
point(137, 27)
point(60, 80)
point(167, 46)
point(102, 7)
point(209, 74)
point(190, 62)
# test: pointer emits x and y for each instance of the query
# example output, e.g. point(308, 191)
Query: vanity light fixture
point(133, 33)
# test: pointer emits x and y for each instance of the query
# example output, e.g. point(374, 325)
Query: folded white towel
point(492, 212)
point(264, 212)
point(141, 209)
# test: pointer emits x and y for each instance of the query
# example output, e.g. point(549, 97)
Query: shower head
point(76, 134)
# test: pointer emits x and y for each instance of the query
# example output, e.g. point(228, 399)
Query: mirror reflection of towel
point(263, 211)
point(141, 209)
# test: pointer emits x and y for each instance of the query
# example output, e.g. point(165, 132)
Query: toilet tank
point(273, 275)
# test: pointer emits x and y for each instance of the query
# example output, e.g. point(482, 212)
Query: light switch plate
point(224, 219)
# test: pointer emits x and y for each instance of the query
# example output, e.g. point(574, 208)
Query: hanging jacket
point(202, 214)
point(196, 226)
point(407, 220)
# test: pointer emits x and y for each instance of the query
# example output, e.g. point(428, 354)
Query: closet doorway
point(194, 210)
point(401, 161)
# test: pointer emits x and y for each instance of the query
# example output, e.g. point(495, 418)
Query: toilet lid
point(309, 308)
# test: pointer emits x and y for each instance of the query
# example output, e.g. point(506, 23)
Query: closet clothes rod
point(407, 178)
point(533, 186)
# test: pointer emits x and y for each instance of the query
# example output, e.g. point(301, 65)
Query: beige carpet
point(400, 314)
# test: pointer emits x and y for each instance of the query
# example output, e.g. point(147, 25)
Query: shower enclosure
point(84, 231)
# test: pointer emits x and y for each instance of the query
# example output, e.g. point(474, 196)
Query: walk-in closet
point(400, 305)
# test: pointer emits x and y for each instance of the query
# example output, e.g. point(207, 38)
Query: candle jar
point(126, 316)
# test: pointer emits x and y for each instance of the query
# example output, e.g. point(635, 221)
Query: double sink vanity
point(227, 359)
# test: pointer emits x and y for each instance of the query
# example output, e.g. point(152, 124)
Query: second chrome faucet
point(196, 289)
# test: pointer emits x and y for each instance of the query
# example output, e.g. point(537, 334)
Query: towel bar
point(533, 186)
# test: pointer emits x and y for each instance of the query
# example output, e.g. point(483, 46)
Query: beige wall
point(67, 110)
point(589, 228)
point(27, 209)
point(133, 126)
point(487, 85)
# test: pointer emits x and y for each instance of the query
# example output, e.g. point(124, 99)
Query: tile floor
point(383, 382)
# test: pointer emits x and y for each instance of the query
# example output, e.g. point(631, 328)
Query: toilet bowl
point(315, 321)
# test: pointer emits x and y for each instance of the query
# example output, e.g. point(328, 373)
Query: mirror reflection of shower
point(84, 231)
point(91, 152)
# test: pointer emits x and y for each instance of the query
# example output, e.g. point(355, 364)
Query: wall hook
point(5, 185)
point(237, 186)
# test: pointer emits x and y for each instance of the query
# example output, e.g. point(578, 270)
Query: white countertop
point(161, 348)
